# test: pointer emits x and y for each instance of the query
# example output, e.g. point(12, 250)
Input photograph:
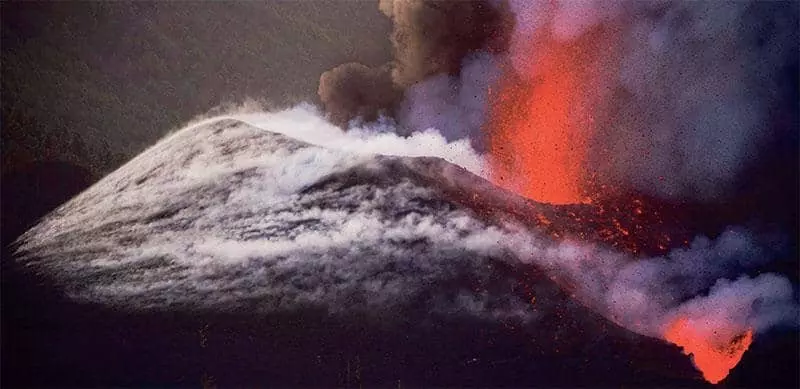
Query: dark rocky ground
point(48, 341)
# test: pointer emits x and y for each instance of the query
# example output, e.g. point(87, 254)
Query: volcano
point(228, 254)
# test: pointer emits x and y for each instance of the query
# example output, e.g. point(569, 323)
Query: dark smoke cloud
point(434, 37)
point(354, 90)
point(692, 92)
point(434, 42)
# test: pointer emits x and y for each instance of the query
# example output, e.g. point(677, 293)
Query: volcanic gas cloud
point(607, 104)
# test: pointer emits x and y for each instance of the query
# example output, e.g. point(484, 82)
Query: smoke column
point(446, 59)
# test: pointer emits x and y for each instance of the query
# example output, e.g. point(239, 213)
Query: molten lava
point(543, 124)
point(542, 121)
point(713, 359)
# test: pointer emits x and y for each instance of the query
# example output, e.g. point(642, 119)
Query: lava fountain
point(542, 117)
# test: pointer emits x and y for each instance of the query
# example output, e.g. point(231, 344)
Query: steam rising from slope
point(306, 123)
point(250, 218)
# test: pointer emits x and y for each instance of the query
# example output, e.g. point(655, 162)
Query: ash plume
point(456, 106)
point(703, 91)
point(433, 37)
point(689, 93)
point(354, 90)
point(442, 69)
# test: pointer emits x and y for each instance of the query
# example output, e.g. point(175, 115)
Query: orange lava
point(713, 359)
point(541, 123)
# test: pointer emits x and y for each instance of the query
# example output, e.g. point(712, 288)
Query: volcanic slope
point(227, 219)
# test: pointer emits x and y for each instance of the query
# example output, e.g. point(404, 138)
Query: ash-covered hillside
point(226, 216)
point(228, 219)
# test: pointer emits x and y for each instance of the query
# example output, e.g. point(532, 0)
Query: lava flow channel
point(713, 359)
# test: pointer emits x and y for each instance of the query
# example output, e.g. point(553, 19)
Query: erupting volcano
point(576, 193)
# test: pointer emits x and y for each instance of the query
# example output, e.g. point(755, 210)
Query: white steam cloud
point(705, 283)
point(305, 122)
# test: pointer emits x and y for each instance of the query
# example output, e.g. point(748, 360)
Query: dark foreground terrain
point(51, 342)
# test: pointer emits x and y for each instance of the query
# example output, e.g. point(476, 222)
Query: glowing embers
point(542, 120)
point(714, 358)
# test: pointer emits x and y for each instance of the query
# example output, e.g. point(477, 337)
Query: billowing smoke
point(689, 94)
point(700, 298)
point(354, 90)
point(678, 100)
point(444, 65)
point(456, 106)
point(701, 87)
point(434, 37)
point(682, 97)
point(706, 282)
point(685, 99)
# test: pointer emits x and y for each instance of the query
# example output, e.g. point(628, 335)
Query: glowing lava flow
point(713, 360)
point(541, 122)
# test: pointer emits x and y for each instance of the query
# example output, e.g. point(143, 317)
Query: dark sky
point(87, 85)
point(114, 76)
